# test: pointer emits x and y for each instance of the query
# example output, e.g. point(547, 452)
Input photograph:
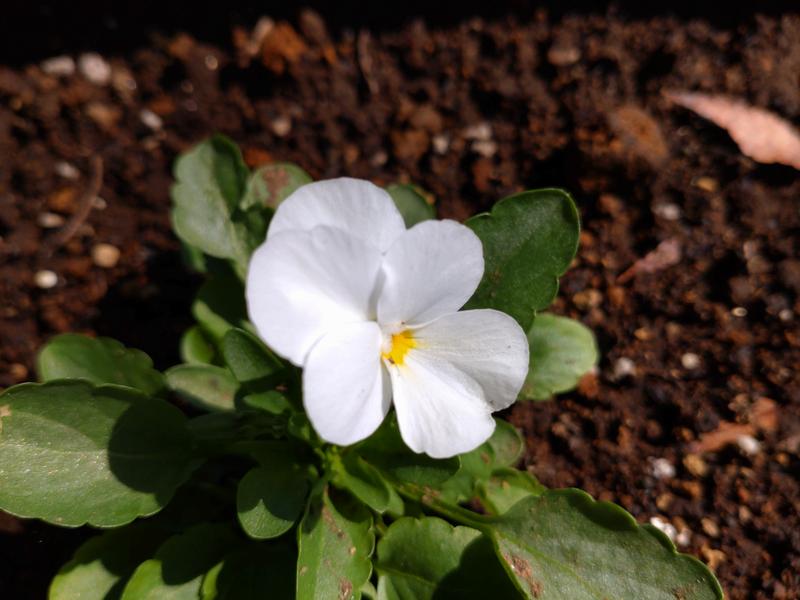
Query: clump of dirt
point(691, 344)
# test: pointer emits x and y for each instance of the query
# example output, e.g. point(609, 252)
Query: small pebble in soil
point(99, 203)
point(379, 159)
point(105, 255)
point(66, 170)
point(18, 372)
point(481, 131)
point(94, 68)
point(440, 143)
point(211, 62)
point(664, 526)
point(690, 361)
point(667, 211)
point(45, 279)
point(661, 468)
point(59, 66)
point(785, 315)
point(624, 367)
point(739, 311)
point(486, 148)
point(151, 119)
point(748, 444)
point(695, 464)
point(684, 537)
point(710, 527)
point(49, 220)
point(707, 184)
point(282, 126)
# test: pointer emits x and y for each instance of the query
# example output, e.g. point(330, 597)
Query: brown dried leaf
point(760, 134)
point(666, 254)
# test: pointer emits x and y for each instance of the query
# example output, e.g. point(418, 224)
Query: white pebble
point(95, 68)
point(45, 279)
point(481, 131)
point(211, 62)
point(624, 367)
point(59, 66)
point(99, 203)
point(282, 126)
point(739, 311)
point(49, 220)
point(785, 315)
point(661, 468)
point(66, 170)
point(441, 143)
point(486, 148)
point(151, 119)
point(748, 444)
point(690, 361)
point(664, 526)
point(684, 537)
point(668, 211)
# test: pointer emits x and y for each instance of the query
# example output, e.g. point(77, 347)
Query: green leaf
point(529, 240)
point(102, 565)
point(270, 401)
point(196, 348)
point(503, 449)
point(412, 203)
point(564, 544)
point(220, 306)
point(177, 570)
point(562, 351)
point(71, 453)
point(248, 358)
point(270, 185)
point(366, 483)
point(271, 498)
point(205, 386)
point(334, 542)
point(255, 572)
point(506, 487)
point(386, 450)
point(99, 360)
point(427, 559)
point(210, 180)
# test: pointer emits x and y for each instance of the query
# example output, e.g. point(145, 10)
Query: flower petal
point(346, 389)
point(440, 410)
point(353, 205)
point(300, 284)
point(487, 345)
point(430, 271)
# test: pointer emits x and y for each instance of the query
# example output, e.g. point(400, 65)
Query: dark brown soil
point(472, 112)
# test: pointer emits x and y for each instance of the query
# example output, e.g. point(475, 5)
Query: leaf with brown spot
point(426, 559)
point(335, 542)
point(760, 134)
point(563, 544)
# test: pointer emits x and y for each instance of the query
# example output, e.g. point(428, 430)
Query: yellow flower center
point(402, 342)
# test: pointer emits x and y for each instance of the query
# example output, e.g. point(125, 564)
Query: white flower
point(369, 310)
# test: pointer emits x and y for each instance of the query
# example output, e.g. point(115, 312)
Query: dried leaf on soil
point(760, 134)
point(667, 254)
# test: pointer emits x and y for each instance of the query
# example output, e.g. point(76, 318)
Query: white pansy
point(369, 309)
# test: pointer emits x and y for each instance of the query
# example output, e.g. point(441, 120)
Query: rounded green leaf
point(271, 184)
point(220, 305)
point(205, 386)
point(412, 203)
point(270, 499)
point(334, 543)
point(506, 487)
point(427, 559)
point(564, 544)
point(367, 484)
point(209, 181)
point(386, 450)
point(195, 347)
point(248, 358)
point(562, 351)
point(529, 240)
point(99, 360)
point(102, 565)
point(176, 571)
point(257, 571)
point(72, 453)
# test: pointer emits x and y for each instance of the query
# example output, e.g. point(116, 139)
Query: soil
point(693, 416)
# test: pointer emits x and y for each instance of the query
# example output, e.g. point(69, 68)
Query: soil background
point(693, 417)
